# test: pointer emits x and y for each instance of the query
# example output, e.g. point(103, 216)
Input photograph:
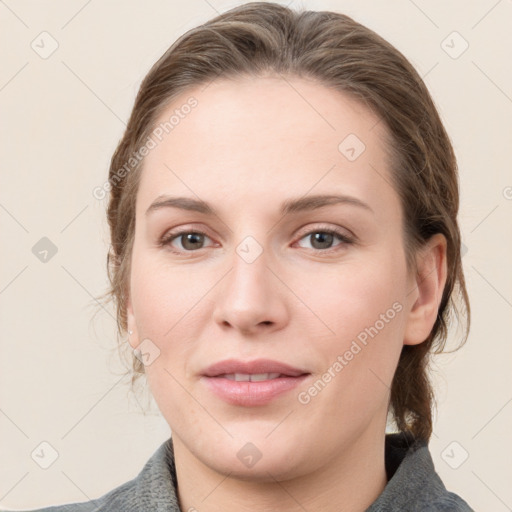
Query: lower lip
point(249, 394)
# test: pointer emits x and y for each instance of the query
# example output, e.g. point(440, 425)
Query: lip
point(229, 366)
point(251, 393)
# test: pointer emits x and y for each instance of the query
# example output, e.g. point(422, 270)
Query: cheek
point(364, 307)
point(353, 297)
point(336, 304)
point(164, 296)
point(348, 310)
point(167, 307)
point(163, 301)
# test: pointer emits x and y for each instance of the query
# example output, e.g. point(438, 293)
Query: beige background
point(62, 116)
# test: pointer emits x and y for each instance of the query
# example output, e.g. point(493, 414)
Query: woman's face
point(271, 336)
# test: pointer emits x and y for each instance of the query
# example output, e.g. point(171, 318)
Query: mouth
point(251, 383)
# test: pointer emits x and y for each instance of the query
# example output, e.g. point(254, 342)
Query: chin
point(268, 469)
point(254, 458)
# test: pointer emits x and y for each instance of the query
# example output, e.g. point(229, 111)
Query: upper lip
point(258, 366)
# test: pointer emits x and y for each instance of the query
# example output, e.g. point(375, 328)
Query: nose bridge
point(249, 281)
point(250, 297)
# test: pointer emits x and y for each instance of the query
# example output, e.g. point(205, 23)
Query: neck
point(350, 482)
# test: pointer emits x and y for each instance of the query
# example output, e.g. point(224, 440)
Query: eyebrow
point(289, 206)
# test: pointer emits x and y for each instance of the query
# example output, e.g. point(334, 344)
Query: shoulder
point(448, 503)
point(122, 498)
point(413, 483)
point(154, 488)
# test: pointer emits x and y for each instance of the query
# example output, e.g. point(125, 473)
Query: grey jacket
point(413, 485)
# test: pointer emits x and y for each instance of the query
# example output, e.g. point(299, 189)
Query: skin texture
point(249, 145)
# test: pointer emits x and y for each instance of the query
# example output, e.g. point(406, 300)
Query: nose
point(251, 299)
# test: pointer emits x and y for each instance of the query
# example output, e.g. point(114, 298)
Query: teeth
point(257, 377)
point(254, 377)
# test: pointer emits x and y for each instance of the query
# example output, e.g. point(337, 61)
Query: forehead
point(280, 133)
point(302, 107)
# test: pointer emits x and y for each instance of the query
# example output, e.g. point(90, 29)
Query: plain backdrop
point(68, 78)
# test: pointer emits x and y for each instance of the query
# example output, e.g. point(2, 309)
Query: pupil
point(191, 239)
point(325, 239)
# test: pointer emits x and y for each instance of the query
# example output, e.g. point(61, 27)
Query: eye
point(188, 240)
point(322, 239)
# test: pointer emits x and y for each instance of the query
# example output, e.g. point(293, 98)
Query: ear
point(427, 290)
point(133, 338)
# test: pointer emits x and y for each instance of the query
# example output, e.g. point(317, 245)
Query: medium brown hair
point(258, 39)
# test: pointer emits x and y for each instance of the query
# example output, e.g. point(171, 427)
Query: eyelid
point(345, 236)
point(338, 230)
point(175, 233)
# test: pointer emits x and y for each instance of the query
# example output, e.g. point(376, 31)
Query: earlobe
point(427, 293)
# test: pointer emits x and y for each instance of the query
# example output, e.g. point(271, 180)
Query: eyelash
point(166, 240)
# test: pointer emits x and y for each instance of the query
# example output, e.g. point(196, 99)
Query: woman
point(285, 258)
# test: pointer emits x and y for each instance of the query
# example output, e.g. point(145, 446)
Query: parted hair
point(258, 39)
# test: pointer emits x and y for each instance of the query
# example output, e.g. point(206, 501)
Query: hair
point(257, 39)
